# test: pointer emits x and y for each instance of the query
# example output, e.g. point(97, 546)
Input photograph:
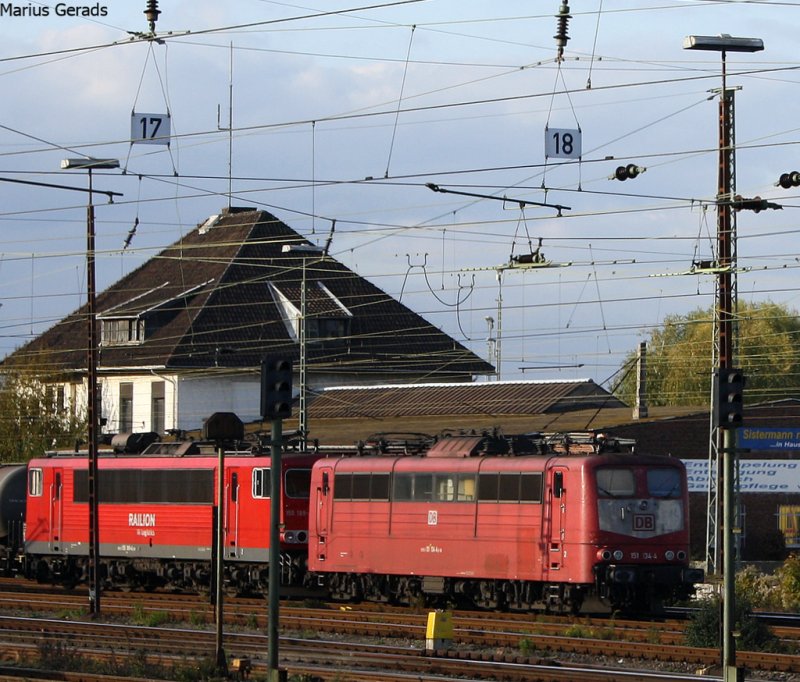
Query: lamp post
point(726, 284)
point(304, 250)
point(90, 164)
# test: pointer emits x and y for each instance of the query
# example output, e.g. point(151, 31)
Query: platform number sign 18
point(562, 143)
point(150, 128)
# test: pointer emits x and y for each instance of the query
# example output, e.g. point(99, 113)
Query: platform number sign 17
point(150, 128)
point(562, 143)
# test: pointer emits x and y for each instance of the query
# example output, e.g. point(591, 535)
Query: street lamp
point(90, 164)
point(305, 251)
point(726, 284)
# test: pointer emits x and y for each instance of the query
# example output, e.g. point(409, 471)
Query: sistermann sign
point(768, 438)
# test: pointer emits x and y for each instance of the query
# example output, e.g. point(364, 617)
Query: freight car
point(504, 524)
point(157, 517)
point(12, 515)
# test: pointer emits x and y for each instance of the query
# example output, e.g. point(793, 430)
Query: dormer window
point(136, 319)
point(327, 317)
point(122, 331)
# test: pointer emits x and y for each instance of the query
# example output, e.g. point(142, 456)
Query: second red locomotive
point(522, 531)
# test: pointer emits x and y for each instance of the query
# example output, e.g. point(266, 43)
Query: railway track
point(477, 635)
point(165, 649)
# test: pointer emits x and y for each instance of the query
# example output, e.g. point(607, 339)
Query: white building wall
point(142, 401)
point(200, 397)
point(189, 400)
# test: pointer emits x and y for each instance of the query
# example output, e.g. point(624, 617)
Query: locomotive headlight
point(669, 555)
point(618, 555)
point(288, 536)
point(681, 555)
point(604, 554)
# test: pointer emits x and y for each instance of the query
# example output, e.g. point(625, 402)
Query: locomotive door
point(557, 512)
point(232, 477)
point(322, 509)
point(56, 509)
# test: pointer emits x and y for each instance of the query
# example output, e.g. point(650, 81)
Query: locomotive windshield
point(615, 482)
point(665, 482)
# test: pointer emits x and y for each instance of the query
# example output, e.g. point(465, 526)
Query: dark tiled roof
point(206, 301)
point(478, 399)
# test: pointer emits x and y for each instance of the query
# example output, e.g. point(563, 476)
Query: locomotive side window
point(510, 487)
point(445, 487)
point(416, 487)
point(35, 482)
point(530, 487)
point(663, 482)
point(466, 488)
point(403, 487)
point(487, 487)
point(615, 482)
point(343, 487)
point(423, 487)
point(380, 487)
point(156, 486)
point(361, 487)
point(261, 484)
point(297, 483)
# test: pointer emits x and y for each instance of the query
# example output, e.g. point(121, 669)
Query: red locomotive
point(531, 529)
point(156, 515)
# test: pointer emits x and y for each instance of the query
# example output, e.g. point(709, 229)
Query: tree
point(30, 419)
point(679, 357)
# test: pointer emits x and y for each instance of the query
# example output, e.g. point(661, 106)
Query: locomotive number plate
point(644, 522)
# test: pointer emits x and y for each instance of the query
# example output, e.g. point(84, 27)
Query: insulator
point(151, 14)
point(561, 35)
point(788, 180)
point(627, 172)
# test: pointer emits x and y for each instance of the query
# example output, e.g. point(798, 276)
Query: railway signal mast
point(276, 405)
point(723, 433)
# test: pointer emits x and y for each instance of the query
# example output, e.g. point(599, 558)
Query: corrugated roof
point(479, 399)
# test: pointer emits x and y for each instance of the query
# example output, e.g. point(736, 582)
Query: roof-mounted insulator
point(151, 14)
point(563, 24)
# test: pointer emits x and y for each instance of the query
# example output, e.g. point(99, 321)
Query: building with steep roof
point(184, 335)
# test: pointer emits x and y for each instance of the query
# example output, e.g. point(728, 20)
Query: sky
point(337, 116)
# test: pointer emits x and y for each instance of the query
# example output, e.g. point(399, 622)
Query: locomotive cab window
point(261, 483)
point(35, 482)
point(615, 482)
point(297, 483)
point(664, 482)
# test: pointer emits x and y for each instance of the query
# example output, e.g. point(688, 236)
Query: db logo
point(433, 517)
point(644, 522)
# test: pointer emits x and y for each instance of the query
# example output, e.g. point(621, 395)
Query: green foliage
point(751, 634)
point(760, 590)
point(788, 576)
point(30, 422)
point(679, 355)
